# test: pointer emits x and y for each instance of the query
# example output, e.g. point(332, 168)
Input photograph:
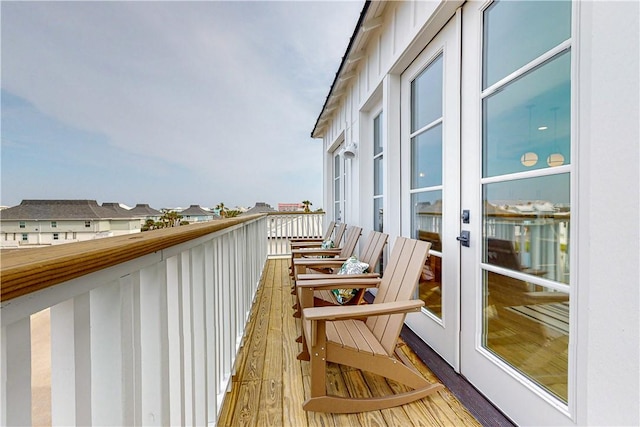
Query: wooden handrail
point(28, 270)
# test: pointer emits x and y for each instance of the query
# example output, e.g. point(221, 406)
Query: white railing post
point(154, 346)
point(106, 355)
point(211, 331)
point(131, 371)
point(16, 373)
point(199, 352)
point(176, 338)
point(71, 401)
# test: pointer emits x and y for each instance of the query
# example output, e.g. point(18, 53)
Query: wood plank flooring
point(270, 383)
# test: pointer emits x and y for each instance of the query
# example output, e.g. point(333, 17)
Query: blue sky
point(167, 103)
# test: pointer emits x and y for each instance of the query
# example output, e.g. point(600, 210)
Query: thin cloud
point(227, 92)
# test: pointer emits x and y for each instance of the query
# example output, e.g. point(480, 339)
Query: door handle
point(464, 238)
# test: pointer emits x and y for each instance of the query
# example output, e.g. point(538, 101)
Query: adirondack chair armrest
point(323, 276)
point(324, 262)
point(348, 282)
point(308, 249)
point(307, 239)
point(305, 245)
point(297, 253)
point(319, 262)
point(360, 311)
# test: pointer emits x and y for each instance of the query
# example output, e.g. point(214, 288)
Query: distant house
point(260, 207)
point(195, 213)
point(290, 207)
point(50, 222)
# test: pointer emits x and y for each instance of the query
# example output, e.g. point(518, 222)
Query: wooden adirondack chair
point(302, 259)
point(334, 334)
point(339, 231)
point(370, 254)
point(304, 248)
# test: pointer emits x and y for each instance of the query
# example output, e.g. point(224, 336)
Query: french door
point(430, 93)
point(516, 183)
point(486, 144)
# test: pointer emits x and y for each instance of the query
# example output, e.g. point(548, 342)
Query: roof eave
point(315, 133)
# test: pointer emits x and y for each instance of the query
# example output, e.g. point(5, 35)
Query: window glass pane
point(377, 176)
point(427, 226)
point(426, 158)
point(526, 226)
point(426, 217)
point(426, 96)
point(517, 32)
point(527, 124)
point(528, 327)
point(377, 135)
point(336, 166)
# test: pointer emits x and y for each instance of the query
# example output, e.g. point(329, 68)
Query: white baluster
point(16, 373)
point(199, 333)
point(106, 355)
point(176, 341)
point(154, 346)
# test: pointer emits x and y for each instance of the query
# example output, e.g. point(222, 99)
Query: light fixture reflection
point(555, 159)
point(529, 159)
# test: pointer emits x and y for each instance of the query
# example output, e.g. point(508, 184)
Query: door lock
point(464, 238)
point(465, 216)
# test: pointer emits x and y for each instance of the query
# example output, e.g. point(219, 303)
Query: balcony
point(182, 326)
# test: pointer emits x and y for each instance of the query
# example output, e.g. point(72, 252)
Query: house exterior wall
point(605, 340)
point(608, 164)
point(53, 232)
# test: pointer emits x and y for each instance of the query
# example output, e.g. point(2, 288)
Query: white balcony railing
point(147, 336)
point(284, 225)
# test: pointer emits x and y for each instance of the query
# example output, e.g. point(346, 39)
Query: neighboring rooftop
point(260, 207)
point(118, 209)
point(59, 209)
point(196, 210)
point(143, 209)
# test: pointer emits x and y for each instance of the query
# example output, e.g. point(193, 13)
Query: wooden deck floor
point(270, 383)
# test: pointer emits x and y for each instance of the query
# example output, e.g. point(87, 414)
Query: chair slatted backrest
point(398, 283)
point(350, 242)
point(373, 247)
point(339, 233)
point(329, 231)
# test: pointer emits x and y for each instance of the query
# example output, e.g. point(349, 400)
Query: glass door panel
point(378, 182)
point(337, 185)
point(426, 175)
point(517, 32)
point(527, 123)
point(427, 223)
point(517, 123)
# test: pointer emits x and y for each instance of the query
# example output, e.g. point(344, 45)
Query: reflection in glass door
point(526, 210)
point(426, 177)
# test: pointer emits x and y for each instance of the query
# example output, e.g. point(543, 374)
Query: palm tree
point(222, 209)
point(170, 218)
point(306, 205)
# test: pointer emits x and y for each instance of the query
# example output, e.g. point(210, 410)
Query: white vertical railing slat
point(16, 373)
